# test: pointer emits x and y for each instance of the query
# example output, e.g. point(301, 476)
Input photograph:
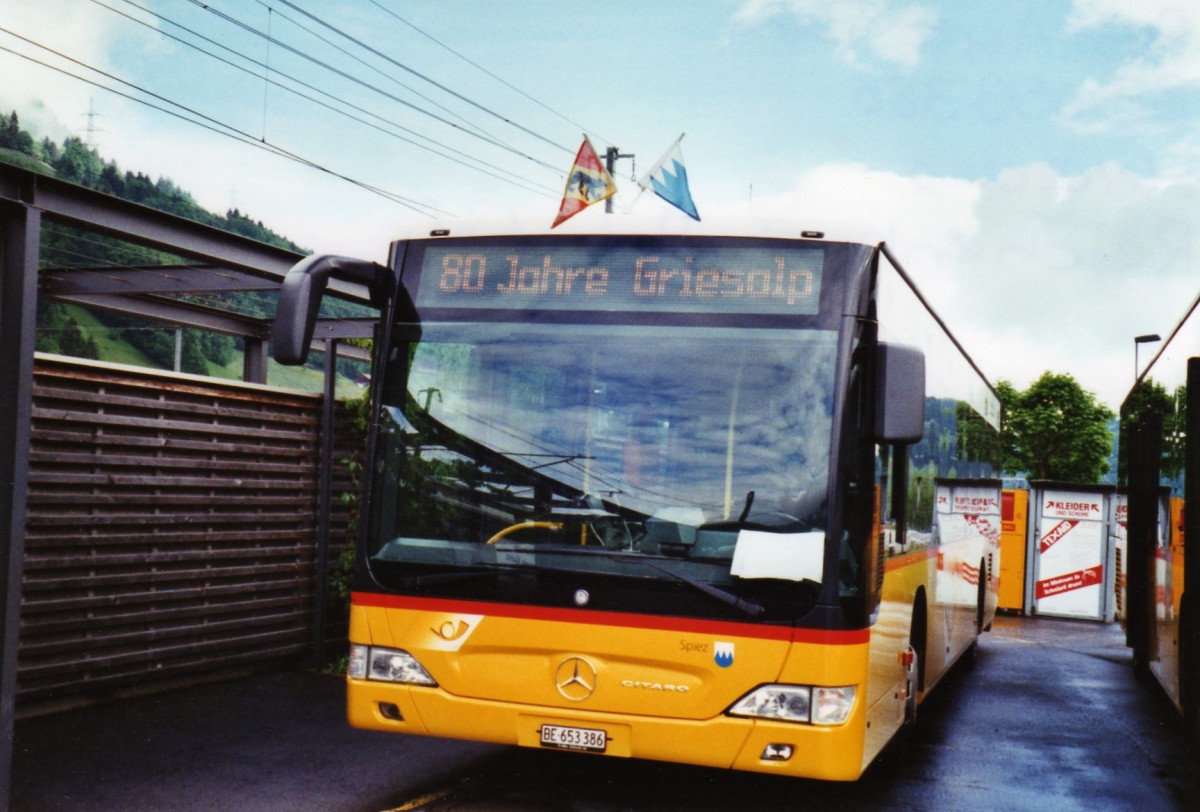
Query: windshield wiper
point(749, 607)
point(746, 509)
point(770, 521)
point(450, 577)
point(733, 524)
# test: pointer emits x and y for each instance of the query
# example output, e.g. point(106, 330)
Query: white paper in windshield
point(790, 556)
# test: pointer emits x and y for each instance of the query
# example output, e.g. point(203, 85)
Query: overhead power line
point(272, 75)
point(513, 178)
point(324, 65)
point(208, 122)
point(484, 70)
point(348, 54)
point(420, 75)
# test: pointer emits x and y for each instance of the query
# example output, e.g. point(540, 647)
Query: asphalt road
point(1051, 718)
point(274, 742)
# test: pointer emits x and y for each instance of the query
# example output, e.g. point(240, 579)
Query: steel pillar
point(19, 234)
point(324, 499)
point(254, 360)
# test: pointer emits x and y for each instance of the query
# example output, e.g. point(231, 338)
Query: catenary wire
point(481, 68)
point(420, 75)
point(347, 53)
point(326, 66)
point(513, 179)
point(215, 126)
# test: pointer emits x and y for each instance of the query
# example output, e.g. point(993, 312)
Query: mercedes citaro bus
point(705, 495)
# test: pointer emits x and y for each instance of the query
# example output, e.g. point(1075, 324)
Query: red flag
point(587, 183)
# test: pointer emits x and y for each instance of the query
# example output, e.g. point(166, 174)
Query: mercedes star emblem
point(575, 678)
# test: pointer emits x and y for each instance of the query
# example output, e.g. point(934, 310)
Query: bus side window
point(897, 498)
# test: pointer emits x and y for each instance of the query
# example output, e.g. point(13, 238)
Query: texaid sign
point(1070, 553)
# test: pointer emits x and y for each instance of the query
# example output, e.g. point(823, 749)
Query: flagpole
point(610, 160)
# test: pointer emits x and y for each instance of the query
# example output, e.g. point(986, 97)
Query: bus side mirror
point(899, 393)
point(300, 297)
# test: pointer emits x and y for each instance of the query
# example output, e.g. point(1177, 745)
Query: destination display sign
point(778, 279)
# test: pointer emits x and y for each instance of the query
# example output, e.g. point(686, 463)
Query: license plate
point(574, 738)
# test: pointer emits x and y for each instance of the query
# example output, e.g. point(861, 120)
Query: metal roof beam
point(186, 314)
point(189, 314)
point(181, 314)
point(177, 279)
point(95, 211)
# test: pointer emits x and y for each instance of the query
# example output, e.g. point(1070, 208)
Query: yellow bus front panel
point(655, 693)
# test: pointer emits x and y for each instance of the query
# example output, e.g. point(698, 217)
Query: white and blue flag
point(668, 179)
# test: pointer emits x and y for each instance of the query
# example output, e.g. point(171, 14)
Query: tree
point(1150, 403)
point(48, 151)
point(192, 354)
point(1010, 401)
point(1055, 430)
point(59, 332)
point(77, 163)
point(13, 137)
point(10, 129)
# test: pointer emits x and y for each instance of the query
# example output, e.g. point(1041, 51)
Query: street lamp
point(1138, 341)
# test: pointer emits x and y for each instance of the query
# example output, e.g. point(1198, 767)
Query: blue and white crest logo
point(723, 654)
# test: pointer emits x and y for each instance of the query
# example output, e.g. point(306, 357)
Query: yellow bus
point(725, 497)
point(1159, 471)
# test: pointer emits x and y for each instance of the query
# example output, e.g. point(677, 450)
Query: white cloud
point(922, 218)
point(50, 102)
point(217, 171)
point(864, 31)
point(1171, 61)
point(1078, 266)
point(1033, 270)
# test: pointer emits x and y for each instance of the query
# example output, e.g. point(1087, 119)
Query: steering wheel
point(512, 528)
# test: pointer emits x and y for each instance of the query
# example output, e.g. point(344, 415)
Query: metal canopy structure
point(198, 264)
point(212, 262)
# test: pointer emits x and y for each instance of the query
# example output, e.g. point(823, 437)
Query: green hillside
point(101, 335)
point(20, 159)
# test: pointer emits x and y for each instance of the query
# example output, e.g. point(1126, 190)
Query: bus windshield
point(510, 456)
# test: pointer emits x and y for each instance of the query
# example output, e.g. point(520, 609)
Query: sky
point(1034, 164)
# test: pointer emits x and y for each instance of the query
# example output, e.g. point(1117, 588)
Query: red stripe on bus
point(833, 637)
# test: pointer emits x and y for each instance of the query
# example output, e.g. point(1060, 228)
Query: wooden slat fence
point(171, 529)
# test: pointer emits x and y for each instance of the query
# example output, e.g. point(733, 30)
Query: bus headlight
point(797, 703)
point(387, 665)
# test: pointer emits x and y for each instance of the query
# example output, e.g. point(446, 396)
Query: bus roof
point(668, 223)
